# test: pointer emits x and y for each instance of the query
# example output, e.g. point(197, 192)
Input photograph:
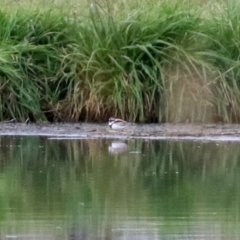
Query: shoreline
point(176, 131)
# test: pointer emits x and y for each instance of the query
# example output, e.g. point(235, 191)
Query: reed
point(174, 61)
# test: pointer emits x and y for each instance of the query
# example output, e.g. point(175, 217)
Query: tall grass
point(142, 61)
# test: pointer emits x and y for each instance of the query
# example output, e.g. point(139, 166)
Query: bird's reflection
point(117, 147)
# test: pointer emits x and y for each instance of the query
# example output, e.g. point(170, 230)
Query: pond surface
point(109, 189)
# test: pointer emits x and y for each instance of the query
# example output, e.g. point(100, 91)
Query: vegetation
point(149, 61)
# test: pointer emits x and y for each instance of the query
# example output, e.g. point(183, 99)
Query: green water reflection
point(106, 189)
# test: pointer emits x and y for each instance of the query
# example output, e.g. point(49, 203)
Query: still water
point(107, 189)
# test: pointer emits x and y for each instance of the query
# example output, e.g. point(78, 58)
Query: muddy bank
point(149, 131)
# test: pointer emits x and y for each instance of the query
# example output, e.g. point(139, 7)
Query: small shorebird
point(117, 123)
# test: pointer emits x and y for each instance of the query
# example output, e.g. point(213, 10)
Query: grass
point(173, 61)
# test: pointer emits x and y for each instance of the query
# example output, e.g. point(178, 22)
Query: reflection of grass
point(53, 178)
point(79, 179)
point(194, 180)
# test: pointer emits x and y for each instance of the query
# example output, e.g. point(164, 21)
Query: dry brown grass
point(188, 97)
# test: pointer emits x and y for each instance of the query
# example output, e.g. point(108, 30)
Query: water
point(107, 189)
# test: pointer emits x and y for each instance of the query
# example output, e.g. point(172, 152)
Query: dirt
point(226, 132)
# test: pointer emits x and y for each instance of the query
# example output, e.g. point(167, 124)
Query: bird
point(117, 123)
